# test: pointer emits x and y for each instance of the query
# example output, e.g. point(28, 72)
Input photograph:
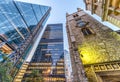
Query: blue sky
point(59, 9)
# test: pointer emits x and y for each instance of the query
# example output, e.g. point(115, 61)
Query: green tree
point(5, 67)
point(35, 76)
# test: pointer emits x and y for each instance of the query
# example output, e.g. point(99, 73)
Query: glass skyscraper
point(20, 24)
point(49, 55)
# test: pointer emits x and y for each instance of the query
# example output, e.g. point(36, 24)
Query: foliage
point(35, 76)
point(5, 67)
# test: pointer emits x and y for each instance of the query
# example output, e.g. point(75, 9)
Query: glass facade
point(18, 20)
point(49, 55)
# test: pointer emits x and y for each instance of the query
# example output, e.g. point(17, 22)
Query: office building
point(20, 25)
point(108, 10)
point(94, 49)
point(49, 56)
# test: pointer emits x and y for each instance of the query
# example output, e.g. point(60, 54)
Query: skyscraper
point(93, 47)
point(108, 10)
point(20, 25)
point(49, 55)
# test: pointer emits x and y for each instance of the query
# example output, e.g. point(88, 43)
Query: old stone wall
point(98, 45)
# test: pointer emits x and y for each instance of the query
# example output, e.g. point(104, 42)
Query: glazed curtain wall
point(52, 43)
point(18, 20)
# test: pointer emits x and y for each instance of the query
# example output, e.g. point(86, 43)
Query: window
point(75, 15)
point(86, 31)
point(81, 23)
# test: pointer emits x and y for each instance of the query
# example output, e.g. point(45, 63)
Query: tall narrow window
point(86, 31)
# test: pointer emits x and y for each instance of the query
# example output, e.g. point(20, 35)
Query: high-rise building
point(108, 10)
point(49, 56)
point(20, 25)
point(94, 49)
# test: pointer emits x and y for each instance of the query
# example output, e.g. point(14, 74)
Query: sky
point(59, 9)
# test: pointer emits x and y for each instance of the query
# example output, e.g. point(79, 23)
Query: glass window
point(20, 25)
point(11, 13)
point(28, 14)
point(86, 31)
point(81, 23)
point(42, 9)
point(37, 12)
point(46, 8)
point(8, 32)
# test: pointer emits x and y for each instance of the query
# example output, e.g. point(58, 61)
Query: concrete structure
point(93, 47)
point(108, 10)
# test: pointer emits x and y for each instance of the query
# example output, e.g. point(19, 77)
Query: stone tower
point(94, 49)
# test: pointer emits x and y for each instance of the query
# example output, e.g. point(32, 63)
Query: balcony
point(114, 19)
